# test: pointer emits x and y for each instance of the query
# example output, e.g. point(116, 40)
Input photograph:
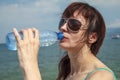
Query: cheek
point(77, 41)
point(70, 43)
point(74, 41)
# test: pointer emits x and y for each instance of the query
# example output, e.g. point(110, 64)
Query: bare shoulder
point(101, 75)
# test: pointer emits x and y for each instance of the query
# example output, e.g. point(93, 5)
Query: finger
point(30, 34)
point(17, 36)
point(25, 34)
point(36, 33)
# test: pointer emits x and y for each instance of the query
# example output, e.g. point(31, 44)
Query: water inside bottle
point(47, 38)
point(11, 42)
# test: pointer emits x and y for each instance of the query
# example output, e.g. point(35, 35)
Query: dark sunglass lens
point(61, 23)
point(74, 24)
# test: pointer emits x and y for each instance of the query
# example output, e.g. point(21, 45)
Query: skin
point(81, 58)
point(28, 53)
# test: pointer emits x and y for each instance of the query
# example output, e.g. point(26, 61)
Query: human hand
point(28, 47)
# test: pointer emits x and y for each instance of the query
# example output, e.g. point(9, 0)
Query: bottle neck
point(60, 35)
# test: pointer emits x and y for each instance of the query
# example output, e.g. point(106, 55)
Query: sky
point(45, 14)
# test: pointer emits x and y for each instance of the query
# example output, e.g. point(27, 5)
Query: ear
point(93, 37)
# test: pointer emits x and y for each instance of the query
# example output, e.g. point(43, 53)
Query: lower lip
point(64, 39)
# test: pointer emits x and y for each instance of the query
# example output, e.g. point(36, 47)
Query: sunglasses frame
point(66, 21)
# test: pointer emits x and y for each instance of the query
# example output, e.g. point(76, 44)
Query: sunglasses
point(73, 25)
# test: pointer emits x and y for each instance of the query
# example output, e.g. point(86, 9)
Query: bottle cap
point(60, 35)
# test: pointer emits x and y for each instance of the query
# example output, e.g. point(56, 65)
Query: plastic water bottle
point(47, 38)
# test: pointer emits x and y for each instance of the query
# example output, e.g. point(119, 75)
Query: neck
point(81, 60)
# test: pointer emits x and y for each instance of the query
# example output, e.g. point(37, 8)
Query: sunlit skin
point(28, 49)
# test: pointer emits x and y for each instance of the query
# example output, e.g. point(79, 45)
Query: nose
point(63, 28)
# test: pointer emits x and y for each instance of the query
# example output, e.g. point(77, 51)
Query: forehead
point(79, 17)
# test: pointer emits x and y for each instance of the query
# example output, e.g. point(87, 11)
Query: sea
point(49, 58)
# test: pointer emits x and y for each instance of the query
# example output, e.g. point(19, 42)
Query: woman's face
point(73, 40)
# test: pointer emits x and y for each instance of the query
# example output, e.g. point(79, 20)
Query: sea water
point(49, 58)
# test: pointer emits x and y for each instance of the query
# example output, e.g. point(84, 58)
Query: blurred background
point(44, 14)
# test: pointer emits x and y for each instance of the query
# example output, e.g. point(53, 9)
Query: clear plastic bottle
point(47, 38)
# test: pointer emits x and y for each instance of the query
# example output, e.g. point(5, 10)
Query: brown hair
point(96, 24)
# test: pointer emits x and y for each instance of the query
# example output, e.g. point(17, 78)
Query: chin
point(64, 46)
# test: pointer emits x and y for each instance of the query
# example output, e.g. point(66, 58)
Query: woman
point(84, 30)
